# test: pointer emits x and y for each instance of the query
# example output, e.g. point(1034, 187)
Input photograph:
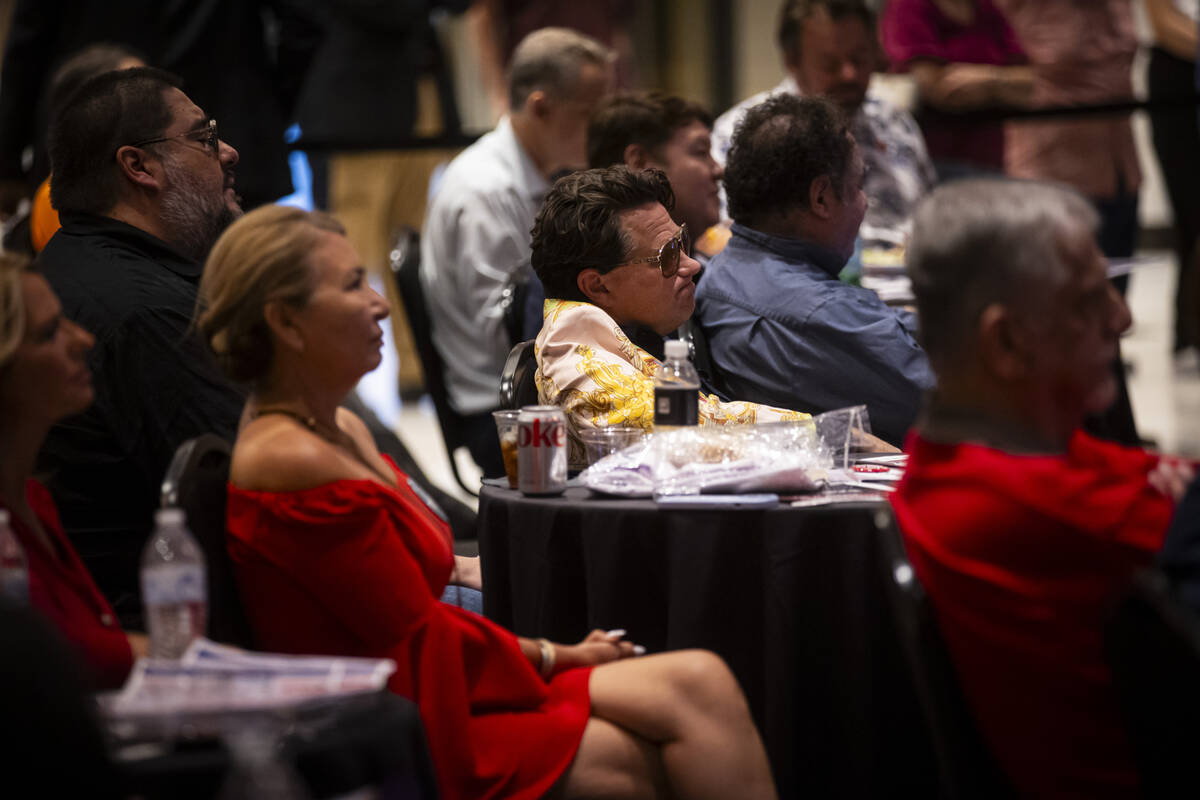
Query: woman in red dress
point(43, 378)
point(336, 554)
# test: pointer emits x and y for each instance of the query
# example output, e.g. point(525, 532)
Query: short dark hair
point(104, 113)
point(795, 13)
point(648, 119)
point(779, 148)
point(578, 226)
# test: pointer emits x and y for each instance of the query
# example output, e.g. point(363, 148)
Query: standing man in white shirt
point(477, 231)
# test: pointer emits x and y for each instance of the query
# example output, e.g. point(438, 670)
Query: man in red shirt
point(1023, 529)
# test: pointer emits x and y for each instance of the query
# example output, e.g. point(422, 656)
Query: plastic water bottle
point(174, 586)
point(14, 570)
point(676, 389)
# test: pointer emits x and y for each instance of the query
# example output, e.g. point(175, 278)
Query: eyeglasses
point(668, 255)
point(205, 135)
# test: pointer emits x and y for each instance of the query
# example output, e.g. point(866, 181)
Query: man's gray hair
point(550, 59)
point(989, 240)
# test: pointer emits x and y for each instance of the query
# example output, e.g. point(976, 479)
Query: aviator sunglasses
point(668, 255)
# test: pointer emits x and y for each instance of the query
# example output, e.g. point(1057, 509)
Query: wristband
point(548, 657)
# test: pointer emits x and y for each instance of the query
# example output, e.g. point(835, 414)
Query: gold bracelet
point(548, 657)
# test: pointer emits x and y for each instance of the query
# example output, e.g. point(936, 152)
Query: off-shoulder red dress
point(356, 568)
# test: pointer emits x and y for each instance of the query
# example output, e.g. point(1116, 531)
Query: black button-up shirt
point(156, 385)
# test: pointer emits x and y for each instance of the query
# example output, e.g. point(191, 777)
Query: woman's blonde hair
point(12, 304)
point(264, 256)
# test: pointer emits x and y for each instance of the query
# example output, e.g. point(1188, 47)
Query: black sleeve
point(1180, 556)
point(165, 388)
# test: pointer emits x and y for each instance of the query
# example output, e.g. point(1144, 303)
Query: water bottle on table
point(676, 389)
point(14, 570)
point(174, 586)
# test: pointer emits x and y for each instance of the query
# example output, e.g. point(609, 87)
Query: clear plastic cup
point(506, 429)
point(600, 442)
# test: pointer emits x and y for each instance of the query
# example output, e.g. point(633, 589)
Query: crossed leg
point(670, 725)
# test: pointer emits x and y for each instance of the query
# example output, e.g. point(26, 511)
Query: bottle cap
point(169, 516)
point(676, 348)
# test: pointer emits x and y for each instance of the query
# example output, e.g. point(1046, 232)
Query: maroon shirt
point(914, 30)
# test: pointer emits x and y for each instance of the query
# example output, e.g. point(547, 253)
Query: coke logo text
point(538, 434)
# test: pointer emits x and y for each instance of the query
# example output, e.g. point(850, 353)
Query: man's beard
point(193, 218)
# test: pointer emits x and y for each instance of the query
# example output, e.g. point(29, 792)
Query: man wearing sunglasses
point(144, 186)
point(611, 259)
point(782, 329)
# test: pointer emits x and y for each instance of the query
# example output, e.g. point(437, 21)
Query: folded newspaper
point(214, 678)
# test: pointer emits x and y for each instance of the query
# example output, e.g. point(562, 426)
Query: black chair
point(196, 482)
point(405, 261)
point(517, 387)
point(1153, 648)
point(711, 379)
point(966, 768)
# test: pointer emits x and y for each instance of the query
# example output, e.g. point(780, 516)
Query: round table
point(792, 598)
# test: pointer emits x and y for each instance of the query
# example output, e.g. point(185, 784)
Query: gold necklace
point(340, 439)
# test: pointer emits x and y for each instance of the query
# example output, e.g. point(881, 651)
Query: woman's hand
point(467, 573)
point(139, 643)
point(599, 647)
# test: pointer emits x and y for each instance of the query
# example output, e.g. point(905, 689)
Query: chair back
point(517, 386)
point(405, 262)
point(711, 380)
point(966, 768)
point(196, 482)
point(1153, 647)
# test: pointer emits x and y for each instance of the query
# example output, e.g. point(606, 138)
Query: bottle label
point(169, 584)
point(676, 406)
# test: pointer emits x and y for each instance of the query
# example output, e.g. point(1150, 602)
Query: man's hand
point(1172, 477)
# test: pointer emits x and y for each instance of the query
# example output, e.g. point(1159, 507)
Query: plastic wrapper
point(783, 457)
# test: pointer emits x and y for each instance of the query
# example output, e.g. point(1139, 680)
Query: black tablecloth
point(791, 598)
point(336, 749)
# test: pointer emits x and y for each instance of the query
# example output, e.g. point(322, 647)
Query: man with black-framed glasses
point(144, 186)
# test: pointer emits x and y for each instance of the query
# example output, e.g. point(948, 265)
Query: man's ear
point(538, 104)
point(636, 157)
point(821, 197)
point(138, 168)
point(1004, 343)
point(591, 282)
point(280, 318)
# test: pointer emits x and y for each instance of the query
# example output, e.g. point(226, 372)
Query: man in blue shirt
point(782, 329)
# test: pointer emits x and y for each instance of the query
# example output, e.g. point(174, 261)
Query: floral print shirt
point(588, 367)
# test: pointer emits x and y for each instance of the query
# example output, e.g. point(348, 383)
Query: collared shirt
point(783, 330)
point(589, 368)
point(476, 238)
point(156, 384)
point(1081, 54)
point(899, 172)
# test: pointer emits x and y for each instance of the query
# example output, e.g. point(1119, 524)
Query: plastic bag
point(785, 457)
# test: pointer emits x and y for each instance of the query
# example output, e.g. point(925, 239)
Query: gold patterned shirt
point(588, 367)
